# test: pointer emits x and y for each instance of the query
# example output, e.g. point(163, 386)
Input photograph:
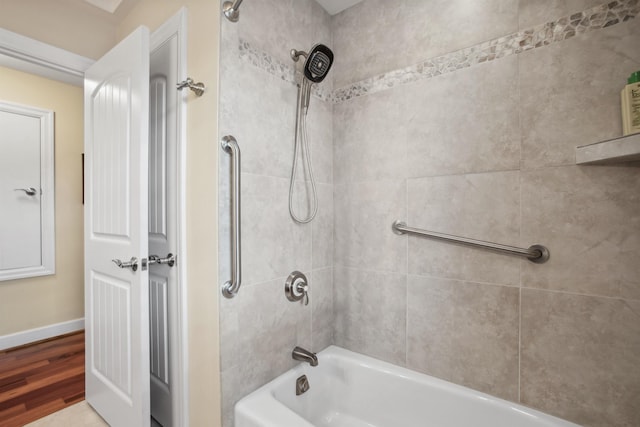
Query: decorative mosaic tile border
point(286, 72)
point(564, 28)
point(597, 17)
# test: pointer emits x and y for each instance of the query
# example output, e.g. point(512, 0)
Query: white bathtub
point(352, 390)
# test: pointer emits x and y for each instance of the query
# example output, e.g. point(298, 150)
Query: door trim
point(176, 26)
point(43, 59)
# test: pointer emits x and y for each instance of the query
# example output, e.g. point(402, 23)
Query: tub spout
point(303, 355)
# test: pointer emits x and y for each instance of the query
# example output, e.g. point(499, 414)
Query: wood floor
point(39, 379)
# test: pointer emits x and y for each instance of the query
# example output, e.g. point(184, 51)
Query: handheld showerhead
point(316, 67)
point(318, 63)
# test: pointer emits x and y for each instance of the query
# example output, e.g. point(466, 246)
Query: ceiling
point(335, 6)
point(108, 5)
point(331, 6)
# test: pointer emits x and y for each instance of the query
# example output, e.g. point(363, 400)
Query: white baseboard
point(37, 334)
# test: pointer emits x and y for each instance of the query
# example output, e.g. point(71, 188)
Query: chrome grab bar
point(536, 253)
point(231, 287)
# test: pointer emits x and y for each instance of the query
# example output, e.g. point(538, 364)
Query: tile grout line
point(519, 229)
point(406, 280)
point(471, 282)
point(520, 345)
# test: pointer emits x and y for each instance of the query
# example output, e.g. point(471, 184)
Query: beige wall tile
point(263, 321)
point(464, 332)
point(322, 308)
point(570, 93)
point(259, 328)
point(376, 36)
point(320, 139)
point(322, 229)
point(462, 122)
point(535, 12)
point(272, 244)
point(589, 218)
point(277, 26)
point(370, 139)
point(259, 110)
point(482, 206)
point(364, 213)
point(370, 310)
point(580, 357)
point(460, 140)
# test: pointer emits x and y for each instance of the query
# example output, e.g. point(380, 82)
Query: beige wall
point(41, 301)
point(202, 147)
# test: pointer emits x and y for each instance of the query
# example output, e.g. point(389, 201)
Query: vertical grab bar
point(231, 287)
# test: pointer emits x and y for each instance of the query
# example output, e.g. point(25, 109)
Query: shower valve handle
point(296, 287)
point(303, 289)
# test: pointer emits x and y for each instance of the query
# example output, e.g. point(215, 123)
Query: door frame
point(58, 64)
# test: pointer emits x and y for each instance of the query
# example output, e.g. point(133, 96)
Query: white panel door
point(116, 223)
point(19, 210)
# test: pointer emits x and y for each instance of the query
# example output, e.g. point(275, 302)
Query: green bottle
point(630, 103)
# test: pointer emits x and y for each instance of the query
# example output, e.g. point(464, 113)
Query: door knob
point(169, 260)
point(29, 191)
point(132, 263)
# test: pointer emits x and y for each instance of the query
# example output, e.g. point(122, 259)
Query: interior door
point(116, 222)
point(19, 176)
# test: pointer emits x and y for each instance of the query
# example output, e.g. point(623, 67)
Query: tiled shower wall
point(443, 115)
point(484, 148)
point(260, 327)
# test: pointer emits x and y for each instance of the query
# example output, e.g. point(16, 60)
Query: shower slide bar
point(537, 253)
point(231, 287)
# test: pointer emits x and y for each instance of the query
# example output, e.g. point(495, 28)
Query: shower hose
point(301, 143)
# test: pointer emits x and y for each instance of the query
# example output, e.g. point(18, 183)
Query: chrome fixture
point(132, 263)
point(316, 67)
point(537, 253)
point(296, 287)
point(303, 355)
point(302, 385)
point(28, 191)
point(197, 88)
point(296, 54)
point(231, 287)
point(169, 260)
point(230, 10)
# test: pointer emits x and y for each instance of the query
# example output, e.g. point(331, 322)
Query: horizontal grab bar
point(536, 253)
